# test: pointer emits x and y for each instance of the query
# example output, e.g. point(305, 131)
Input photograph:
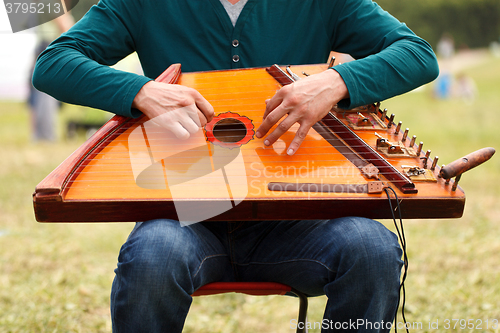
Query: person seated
point(355, 261)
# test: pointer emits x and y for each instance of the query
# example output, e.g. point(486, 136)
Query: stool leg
point(302, 311)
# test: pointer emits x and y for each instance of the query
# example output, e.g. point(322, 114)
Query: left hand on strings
point(304, 102)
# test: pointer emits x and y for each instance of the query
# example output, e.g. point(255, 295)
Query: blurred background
point(57, 277)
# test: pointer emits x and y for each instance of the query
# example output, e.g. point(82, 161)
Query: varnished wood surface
point(467, 162)
point(98, 184)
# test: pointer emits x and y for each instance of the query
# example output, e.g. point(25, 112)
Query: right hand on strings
point(180, 109)
point(304, 102)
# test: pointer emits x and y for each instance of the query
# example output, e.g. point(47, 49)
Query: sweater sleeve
point(74, 68)
point(390, 58)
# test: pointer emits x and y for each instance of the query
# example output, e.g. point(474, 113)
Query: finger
point(201, 118)
point(282, 128)
point(187, 117)
point(271, 119)
point(190, 125)
point(273, 103)
point(204, 106)
point(191, 112)
point(300, 135)
point(179, 131)
point(172, 121)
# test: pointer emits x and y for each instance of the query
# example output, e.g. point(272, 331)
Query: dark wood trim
point(251, 210)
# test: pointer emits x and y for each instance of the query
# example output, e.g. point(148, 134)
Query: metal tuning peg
point(332, 62)
point(384, 115)
point(405, 134)
point(413, 139)
point(398, 128)
point(426, 158)
point(391, 120)
point(458, 167)
point(294, 76)
point(434, 163)
point(420, 146)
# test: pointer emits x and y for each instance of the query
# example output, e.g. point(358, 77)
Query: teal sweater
point(198, 34)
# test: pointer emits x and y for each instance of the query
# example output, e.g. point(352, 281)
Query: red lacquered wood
point(249, 288)
point(171, 74)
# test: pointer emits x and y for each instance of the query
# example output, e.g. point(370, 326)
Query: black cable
point(402, 240)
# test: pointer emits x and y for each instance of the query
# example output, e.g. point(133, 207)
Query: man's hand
point(305, 102)
point(180, 109)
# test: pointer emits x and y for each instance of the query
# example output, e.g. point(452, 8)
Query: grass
point(57, 277)
point(53, 277)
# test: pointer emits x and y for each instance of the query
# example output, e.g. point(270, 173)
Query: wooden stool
point(258, 289)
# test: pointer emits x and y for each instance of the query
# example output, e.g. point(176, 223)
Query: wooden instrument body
point(98, 183)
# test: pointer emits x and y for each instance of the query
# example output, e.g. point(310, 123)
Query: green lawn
point(57, 277)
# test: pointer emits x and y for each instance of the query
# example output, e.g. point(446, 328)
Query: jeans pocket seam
point(205, 259)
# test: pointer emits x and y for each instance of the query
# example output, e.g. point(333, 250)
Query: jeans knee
point(372, 246)
point(156, 252)
point(162, 254)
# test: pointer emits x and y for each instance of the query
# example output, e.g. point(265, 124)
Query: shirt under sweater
point(233, 10)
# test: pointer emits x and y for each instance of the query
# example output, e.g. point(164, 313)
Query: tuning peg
point(398, 128)
point(384, 115)
point(405, 134)
point(391, 120)
point(332, 62)
point(427, 156)
point(434, 163)
point(412, 142)
point(420, 146)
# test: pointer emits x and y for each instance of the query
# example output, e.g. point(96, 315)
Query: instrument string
point(124, 161)
point(279, 174)
point(222, 95)
point(158, 145)
point(180, 144)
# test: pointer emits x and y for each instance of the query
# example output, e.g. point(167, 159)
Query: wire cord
point(402, 240)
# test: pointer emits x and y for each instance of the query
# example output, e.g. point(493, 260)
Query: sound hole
point(229, 130)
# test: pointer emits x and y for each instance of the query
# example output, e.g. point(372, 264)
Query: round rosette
point(229, 130)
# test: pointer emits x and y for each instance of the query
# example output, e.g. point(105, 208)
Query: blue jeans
point(355, 261)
